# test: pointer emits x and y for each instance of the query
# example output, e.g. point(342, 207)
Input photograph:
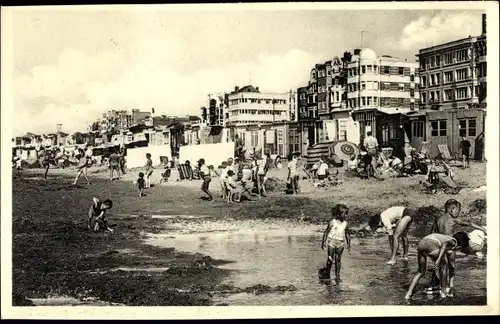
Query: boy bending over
point(399, 217)
point(437, 247)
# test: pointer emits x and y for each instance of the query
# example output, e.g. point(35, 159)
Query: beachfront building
point(380, 91)
point(256, 117)
point(453, 95)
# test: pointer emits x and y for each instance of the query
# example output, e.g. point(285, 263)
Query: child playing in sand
point(438, 247)
point(233, 188)
point(140, 184)
point(444, 224)
point(98, 211)
point(223, 179)
point(149, 170)
point(399, 217)
point(335, 237)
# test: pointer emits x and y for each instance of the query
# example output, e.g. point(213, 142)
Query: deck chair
point(444, 153)
point(425, 148)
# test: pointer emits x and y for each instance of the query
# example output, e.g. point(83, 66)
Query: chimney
point(236, 89)
point(484, 24)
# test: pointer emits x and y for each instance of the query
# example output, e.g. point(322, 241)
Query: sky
point(71, 66)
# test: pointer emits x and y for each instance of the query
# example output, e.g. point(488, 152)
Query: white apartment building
point(248, 106)
point(382, 83)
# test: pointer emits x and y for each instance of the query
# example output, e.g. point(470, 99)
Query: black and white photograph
point(268, 154)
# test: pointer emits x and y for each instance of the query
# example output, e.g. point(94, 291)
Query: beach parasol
point(345, 149)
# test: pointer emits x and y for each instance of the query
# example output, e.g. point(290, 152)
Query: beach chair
point(425, 148)
point(444, 153)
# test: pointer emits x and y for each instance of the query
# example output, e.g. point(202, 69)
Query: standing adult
point(293, 174)
point(122, 159)
point(206, 178)
point(465, 148)
point(85, 162)
point(114, 165)
point(371, 146)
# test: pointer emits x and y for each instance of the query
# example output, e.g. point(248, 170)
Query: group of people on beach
point(439, 246)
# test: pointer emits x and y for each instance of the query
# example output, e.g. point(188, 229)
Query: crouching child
point(97, 213)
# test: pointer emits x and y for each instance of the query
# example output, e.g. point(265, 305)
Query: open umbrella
point(344, 150)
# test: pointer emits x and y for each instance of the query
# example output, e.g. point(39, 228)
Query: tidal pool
point(278, 259)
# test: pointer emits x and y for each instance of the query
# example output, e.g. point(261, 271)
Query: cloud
point(444, 27)
point(80, 87)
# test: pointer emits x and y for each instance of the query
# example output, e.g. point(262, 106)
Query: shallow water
point(280, 259)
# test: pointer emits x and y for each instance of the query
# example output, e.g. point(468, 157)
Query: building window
point(385, 69)
point(368, 101)
point(375, 69)
point(363, 85)
point(461, 93)
point(432, 61)
point(448, 95)
point(375, 101)
point(369, 69)
point(363, 69)
point(337, 96)
point(401, 87)
point(375, 85)
point(417, 129)
point(412, 93)
point(423, 81)
point(462, 74)
point(423, 64)
point(424, 98)
point(438, 60)
point(448, 58)
point(363, 101)
point(432, 80)
point(412, 77)
point(438, 78)
point(467, 127)
point(438, 128)
point(448, 76)
point(462, 55)
point(401, 71)
point(412, 106)
point(437, 96)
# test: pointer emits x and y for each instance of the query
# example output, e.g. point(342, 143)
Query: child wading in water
point(438, 248)
point(335, 235)
point(400, 217)
point(98, 211)
point(444, 224)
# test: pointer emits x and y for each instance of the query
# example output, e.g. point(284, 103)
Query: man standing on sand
point(465, 147)
point(371, 146)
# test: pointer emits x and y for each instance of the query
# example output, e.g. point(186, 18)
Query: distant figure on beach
point(148, 170)
point(48, 159)
point(233, 189)
point(293, 174)
point(371, 146)
point(140, 183)
point(97, 212)
point(399, 217)
point(465, 146)
point(123, 153)
point(114, 165)
point(335, 237)
point(82, 167)
point(206, 177)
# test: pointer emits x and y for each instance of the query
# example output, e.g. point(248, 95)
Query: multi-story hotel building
point(453, 74)
point(379, 87)
point(249, 106)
